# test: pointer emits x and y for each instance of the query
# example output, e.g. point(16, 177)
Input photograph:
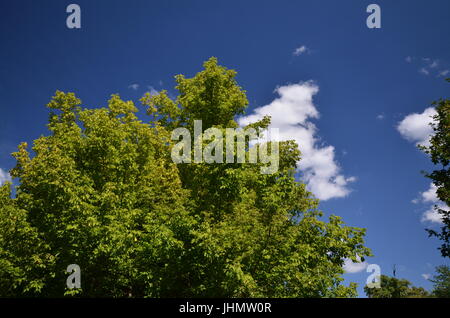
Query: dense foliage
point(441, 282)
point(101, 191)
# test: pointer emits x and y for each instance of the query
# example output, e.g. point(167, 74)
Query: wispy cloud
point(292, 113)
point(380, 116)
point(424, 71)
point(430, 66)
point(152, 90)
point(434, 64)
point(301, 50)
point(134, 86)
point(444, 73)
point(426, 276)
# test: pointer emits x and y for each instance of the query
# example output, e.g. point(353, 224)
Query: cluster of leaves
point(392, 287)
point(441, 282)
point(439, 151)
point(101, 191)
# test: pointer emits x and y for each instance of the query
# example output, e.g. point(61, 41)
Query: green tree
point(103, 192)
point(441, 282)
point(439, 150)
point(392, 287)
point(24, 257)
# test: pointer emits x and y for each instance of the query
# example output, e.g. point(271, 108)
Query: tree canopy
point(439, 151)
point(441, 282)
point(101, 191)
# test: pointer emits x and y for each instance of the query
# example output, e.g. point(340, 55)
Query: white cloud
point(380, 116)
point(4, 176)
point(424, 71)
point(429, 196)
point(301, 50)
point(352, 267)
point(134, 86)
point(291, 113)
point(152, 90)
point(416, 127)
point(430, 66)
point(426, 276)
point(432, 215)
point(434, 64)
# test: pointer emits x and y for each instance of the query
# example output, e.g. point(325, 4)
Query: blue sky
point(354, 84)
